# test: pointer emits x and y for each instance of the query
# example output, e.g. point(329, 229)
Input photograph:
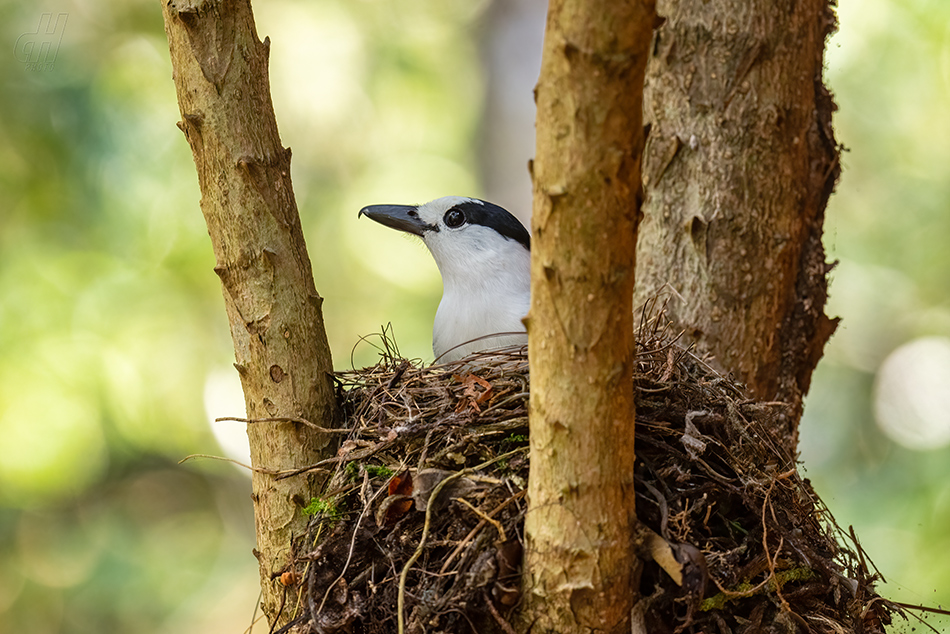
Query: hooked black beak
point(401, 217)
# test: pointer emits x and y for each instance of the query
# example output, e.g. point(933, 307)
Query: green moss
point(745, 589)
point(377, 471)
point(325, 508)
point(352, 470)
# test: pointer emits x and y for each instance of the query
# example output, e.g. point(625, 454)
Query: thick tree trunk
point(581, 569)
point(739, 165)
point(220, 72)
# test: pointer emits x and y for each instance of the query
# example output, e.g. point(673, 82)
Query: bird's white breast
point(486, 291)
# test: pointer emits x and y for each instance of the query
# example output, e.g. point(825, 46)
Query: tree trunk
point(220, 72)
point(581, 568)
point(739, 165)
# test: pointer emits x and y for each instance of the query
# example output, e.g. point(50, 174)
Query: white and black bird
point(484, 255)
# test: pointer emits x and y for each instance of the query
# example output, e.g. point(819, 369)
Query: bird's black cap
point(481, 212)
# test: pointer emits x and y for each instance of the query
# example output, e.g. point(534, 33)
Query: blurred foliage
point(111, 322)
point(889, 225)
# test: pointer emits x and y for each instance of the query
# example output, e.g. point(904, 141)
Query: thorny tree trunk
point(581, 569)
point(739, 165)
point(220, 72)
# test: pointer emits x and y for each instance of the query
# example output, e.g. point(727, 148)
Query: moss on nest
point(423, 515)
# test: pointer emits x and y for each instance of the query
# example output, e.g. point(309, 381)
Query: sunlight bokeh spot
point(912, 394)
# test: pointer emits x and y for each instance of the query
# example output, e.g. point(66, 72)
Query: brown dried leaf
point(393, 509)
point(476, 389)
point(400, 484)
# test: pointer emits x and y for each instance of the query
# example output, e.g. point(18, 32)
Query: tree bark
point(220, 71)
point(739, 165)
point(581, 569)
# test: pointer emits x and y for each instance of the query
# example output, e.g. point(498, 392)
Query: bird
point(484, 257)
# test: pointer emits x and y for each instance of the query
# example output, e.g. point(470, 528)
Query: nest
point(421, 525)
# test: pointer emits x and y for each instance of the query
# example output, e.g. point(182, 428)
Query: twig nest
point(421, 525)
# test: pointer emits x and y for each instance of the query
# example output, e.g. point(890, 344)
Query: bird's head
point(461, 233)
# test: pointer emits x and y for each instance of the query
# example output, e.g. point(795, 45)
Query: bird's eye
point(454, 218)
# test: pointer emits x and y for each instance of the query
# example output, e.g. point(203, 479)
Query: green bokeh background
point(114, 347)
